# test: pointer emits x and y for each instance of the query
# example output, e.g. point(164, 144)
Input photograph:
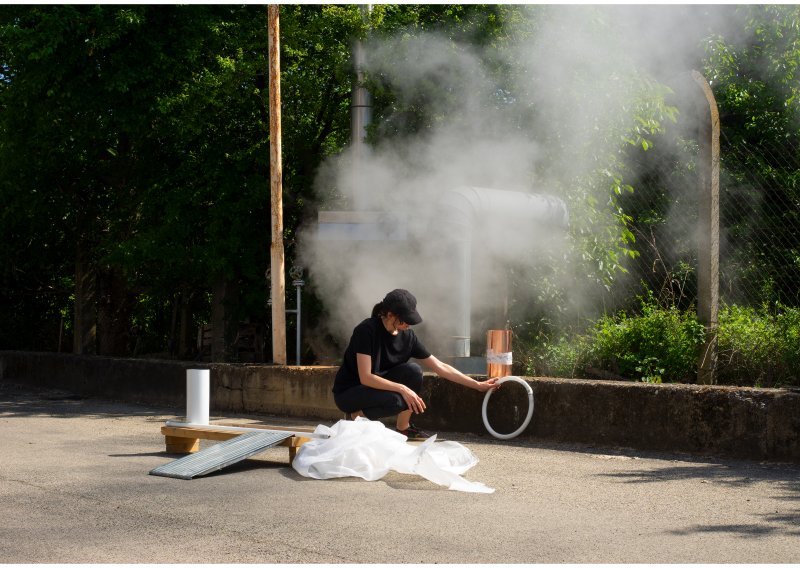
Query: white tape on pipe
point(499, 358)
point(527, 420)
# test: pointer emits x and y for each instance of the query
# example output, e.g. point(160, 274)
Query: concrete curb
point(737, 422)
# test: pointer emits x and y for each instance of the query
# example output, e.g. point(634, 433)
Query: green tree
point(135, 148)
point(83, 112)
point(67, 134)
point(757, 83)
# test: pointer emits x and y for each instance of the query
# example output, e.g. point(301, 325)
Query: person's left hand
point(489, 384)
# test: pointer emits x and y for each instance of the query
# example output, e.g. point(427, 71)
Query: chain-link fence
point(759, 200)
point(760, 222)
point(664, 217)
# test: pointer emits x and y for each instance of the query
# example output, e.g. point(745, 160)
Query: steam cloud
point(568, 80)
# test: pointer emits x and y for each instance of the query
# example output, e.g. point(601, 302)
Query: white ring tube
point(527, 420)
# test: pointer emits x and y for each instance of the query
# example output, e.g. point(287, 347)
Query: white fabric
point(367, 449)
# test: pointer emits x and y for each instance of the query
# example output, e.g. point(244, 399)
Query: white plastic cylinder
point(198, 387)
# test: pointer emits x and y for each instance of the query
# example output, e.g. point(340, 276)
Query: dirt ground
point(74, 488)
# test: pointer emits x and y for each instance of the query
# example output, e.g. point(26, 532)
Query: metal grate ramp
point(221, 455)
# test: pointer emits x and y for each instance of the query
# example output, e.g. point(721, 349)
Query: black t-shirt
point(386, 350)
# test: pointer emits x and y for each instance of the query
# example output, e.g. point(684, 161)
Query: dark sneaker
point(414, 433)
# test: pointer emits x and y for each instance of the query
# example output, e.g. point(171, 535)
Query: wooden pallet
point(186, 439)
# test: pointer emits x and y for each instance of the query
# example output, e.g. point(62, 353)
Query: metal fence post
point(708, 230)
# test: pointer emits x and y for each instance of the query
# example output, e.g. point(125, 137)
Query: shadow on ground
point(739, 475)
point(17, 400)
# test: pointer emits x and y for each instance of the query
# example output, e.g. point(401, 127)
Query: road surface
point(74, 488)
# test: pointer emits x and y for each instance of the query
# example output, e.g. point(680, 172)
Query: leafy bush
point(659, 345)
point(561, 357)
point(788, 322)
point(758, 347)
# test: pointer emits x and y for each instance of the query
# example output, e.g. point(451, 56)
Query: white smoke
point(498, 115)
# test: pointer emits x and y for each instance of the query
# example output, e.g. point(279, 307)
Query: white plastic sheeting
point(367, 449)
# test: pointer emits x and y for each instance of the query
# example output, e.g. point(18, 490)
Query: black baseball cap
point(403, 304)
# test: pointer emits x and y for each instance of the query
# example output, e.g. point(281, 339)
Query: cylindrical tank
point(198, 387)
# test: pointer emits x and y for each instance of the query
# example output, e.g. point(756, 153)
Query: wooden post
point(708, 230)
point(277, 278)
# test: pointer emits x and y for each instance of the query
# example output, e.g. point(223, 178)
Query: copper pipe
point(498, 353)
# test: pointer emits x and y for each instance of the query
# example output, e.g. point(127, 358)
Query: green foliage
point(756, 84)
point(650, 370)
point(139, 135)
point(601, 226)
point(557, 357)
point(660, 343)
point(759, 346)
point(67, 104)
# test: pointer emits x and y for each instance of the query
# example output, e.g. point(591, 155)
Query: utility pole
point(708, 229)
point(277, 279)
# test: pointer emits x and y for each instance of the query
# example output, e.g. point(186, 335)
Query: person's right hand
point(413, 400)
point(488, 384)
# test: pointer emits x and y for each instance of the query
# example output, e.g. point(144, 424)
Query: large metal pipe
point(360, 99)
point(464, 203)
point(461, 208)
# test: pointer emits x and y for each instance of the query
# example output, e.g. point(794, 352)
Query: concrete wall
point(257, 389)
point(738, 422)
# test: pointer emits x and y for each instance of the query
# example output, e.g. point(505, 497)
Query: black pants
point(376, 403)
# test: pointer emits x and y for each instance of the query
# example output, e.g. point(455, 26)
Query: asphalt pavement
point(74, 488)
